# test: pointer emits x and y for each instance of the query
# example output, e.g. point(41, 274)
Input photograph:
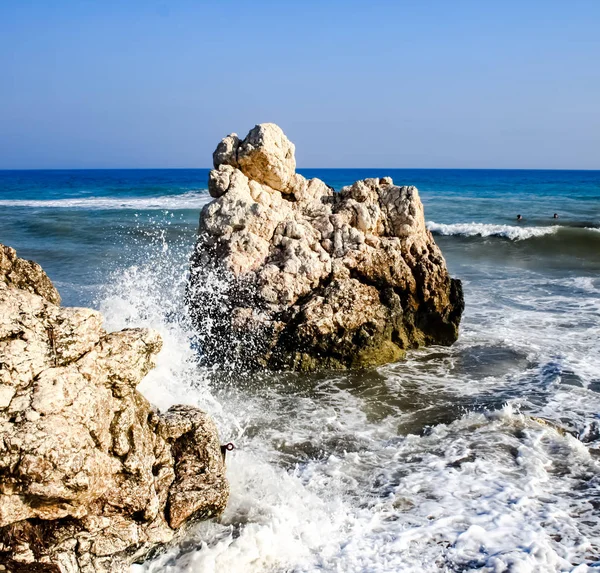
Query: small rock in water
point(289, 274)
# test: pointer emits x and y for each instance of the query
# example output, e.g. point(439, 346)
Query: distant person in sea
point(519, 218)
point(555, 216)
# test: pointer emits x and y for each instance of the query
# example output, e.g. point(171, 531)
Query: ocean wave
point(189, 200)
point(511, 232)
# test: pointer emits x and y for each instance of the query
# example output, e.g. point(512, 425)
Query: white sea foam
point(189, 200)
point(394, 470)
point(512, 232)
point(586, 284)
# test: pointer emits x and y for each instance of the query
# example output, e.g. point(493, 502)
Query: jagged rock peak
point(266, 155)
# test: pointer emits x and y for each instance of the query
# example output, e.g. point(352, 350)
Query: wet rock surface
point(92, 477)
point(289, 274)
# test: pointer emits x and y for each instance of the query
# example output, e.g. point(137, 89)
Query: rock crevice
point(287, 273)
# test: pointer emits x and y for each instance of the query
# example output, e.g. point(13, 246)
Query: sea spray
point(415, 466)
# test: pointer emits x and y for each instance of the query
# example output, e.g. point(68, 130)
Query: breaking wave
point(188, 200)
point(511, 232)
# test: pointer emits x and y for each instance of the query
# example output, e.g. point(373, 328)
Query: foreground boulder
point(91, 475)
point(289, 274)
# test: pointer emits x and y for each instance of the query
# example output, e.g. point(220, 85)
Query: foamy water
point(188, 200)
point(512, 232)
point(478, 457)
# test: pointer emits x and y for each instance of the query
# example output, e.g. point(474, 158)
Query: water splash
point(435, 464)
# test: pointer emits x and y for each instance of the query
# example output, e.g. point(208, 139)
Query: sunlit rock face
point(91, 475)
point(289, 274)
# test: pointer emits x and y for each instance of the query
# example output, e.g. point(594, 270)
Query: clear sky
point(423, 83)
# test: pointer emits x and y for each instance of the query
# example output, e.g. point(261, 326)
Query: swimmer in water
point(519, 218)
point(555, 216)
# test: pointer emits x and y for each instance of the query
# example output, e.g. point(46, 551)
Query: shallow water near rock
point(484, 456)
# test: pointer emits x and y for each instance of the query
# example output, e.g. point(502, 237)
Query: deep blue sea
point(484, 456)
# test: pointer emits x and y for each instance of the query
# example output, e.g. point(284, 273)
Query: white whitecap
point(189, 200)
point(511, 232)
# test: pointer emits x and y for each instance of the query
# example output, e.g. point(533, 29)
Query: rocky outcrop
point(288, 273)
point(91, 475)
point(26, 275)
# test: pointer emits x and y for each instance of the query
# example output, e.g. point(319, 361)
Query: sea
point(482, 456)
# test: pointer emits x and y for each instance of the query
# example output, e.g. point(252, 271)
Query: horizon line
point(302, 168)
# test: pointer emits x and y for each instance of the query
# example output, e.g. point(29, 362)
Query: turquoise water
point(438, 463)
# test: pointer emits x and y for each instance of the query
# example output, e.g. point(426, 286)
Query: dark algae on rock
point(92, 477)
point(289, 274)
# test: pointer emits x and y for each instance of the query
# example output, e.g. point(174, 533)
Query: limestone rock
point(91, 475)
point(288, 273)
point(26, 275)
point(266, 156)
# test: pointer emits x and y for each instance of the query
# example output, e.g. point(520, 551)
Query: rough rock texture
point(26, 275)
point(288, 273)
point(91, 475)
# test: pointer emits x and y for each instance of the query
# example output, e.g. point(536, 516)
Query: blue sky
point(466, 84)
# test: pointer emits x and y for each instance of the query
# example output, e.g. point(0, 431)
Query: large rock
point(91, 475)
point(288, 273)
